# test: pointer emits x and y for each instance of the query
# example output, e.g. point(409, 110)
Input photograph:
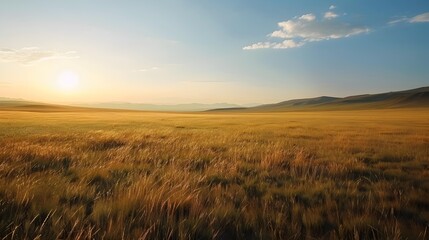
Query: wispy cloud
point(31, 55)
point(421, 18)
point(399, 20)
point(299, 31)
point(424, 17)
point(206, 81)
point(288, 43)
point(148, 69)
point(332, 7)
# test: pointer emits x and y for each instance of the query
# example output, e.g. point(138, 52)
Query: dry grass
point(119, 175)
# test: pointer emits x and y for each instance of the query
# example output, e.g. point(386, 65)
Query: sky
point(187, 51)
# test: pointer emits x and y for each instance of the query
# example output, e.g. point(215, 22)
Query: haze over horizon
point(241, 52)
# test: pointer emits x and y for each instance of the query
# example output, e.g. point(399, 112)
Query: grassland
point(296, 175)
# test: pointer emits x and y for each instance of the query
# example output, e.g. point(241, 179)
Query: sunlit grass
point(332, 175)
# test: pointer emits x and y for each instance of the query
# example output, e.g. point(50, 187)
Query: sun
point(68, 81)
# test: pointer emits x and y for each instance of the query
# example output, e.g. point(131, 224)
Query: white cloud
point(330, 15)
point(206, 81)
point(31, 55)
point(317, 30)
point(259, 45)
point(399, 20)
point(421, 18)
point(424, 17)
point(332, 7)
point(148, 69)
point(299, 31)
point(288, 43)
point(308, 17)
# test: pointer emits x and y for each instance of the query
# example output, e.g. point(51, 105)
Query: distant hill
point(298, 103)
point(191, 107)
point(415, 98)
point(10, 104)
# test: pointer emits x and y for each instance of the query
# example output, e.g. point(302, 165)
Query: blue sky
point(211, 51)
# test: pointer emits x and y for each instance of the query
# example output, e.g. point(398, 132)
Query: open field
point(112, 175)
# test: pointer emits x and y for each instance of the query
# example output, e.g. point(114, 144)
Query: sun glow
point(68, 81)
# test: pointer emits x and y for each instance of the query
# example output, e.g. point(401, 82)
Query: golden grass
point(134, 175)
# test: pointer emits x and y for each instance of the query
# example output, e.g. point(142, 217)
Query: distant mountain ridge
point(418, 97)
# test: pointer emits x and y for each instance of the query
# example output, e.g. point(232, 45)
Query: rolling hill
point(10, 104)
point(190, 107)
point(413, 98)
